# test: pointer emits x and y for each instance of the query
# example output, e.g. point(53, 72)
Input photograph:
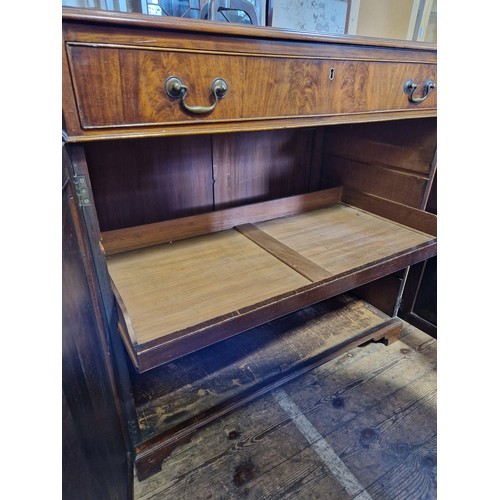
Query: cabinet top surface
point(127, 19)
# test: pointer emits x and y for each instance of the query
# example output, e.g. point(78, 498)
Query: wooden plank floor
point(362, 426)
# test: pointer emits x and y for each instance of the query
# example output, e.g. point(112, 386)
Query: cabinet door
point(95, 464)
point(419, 304)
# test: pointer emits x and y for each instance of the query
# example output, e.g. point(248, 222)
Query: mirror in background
point(391, 19)
point(234, 11)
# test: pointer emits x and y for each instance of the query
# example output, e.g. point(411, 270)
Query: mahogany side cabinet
point(234, 188)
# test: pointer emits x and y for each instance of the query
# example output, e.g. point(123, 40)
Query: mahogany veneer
point(117, 78)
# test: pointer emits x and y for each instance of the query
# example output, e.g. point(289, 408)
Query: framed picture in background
point(321, 16)
point(392, 19)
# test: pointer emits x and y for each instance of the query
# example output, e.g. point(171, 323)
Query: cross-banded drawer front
point(127, 86)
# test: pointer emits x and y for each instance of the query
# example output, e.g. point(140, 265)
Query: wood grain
point(397, 212)
point(177, 130)
point(375, 439)
point(195, 26)
point(415, 477)
point(214, 286)
point(393, 162)
point(382, 293)
point(125, 87)
point(216, 402)
point(191, 385)
point(132, 238)
point(150, 180)
point(259, 166)
point(385, 145)
point(170, 287)
point(143, 108)
point(244, 450)
point(399, 186)
point(95, 448)
point(285, 254)
point(341, 238)
point(164, 349)
point(258, 452)
point(191, 293)
point(375, 433)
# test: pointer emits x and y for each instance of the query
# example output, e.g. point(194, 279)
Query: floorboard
point(365, 420)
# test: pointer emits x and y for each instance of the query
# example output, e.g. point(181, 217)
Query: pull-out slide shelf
point(185, 284)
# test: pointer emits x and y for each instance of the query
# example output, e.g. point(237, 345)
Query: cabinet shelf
point(179, 296)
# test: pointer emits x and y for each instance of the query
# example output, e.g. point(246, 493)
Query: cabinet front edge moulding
point(217, 28)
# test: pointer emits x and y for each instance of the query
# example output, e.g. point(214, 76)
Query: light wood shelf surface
point(342, 238)
point(176, 290)
point(169, 287)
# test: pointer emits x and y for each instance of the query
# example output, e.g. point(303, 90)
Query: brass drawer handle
point(177, 90)
point(410, 87)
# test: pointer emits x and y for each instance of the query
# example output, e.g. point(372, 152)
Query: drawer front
point(125, 87)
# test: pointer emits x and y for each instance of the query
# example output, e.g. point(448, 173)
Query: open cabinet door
point(95, 460)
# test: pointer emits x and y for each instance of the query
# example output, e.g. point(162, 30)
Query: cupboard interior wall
point(393, 161)
point(141, 181)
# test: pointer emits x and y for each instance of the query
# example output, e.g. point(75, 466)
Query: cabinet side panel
point(393, 160)
point(95, 462)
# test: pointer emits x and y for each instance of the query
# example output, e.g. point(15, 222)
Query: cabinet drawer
point(125, 86)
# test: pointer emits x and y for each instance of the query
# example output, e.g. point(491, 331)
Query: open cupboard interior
point(226, 250)
point(147, 180)
point(211, 235)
